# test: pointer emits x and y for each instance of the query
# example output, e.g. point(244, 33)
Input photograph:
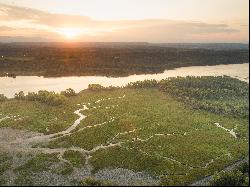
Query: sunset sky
point(125, 20)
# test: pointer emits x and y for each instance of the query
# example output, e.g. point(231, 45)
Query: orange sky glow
point(170, 21)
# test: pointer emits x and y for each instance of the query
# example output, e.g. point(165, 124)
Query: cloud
point(9, 13)
point(37, 22)
point(4, 28)
point(204, 28)
point(8, 39)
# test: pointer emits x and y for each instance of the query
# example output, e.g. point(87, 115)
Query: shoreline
point(10, 86)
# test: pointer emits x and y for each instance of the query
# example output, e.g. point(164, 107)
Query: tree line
point(46, 97)
point(220, 95)
point(54, 61)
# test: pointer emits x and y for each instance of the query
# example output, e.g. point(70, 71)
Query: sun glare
point(70, 32)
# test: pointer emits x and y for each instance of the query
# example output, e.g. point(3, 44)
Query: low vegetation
point(237, 177)
point(158, 129)
point(43, 96)
point(220, 95)
point(98, 87)
point(39, 163)
point(2, 97)
point(75, 158)
point(5, 164)
point(94, 182)
point(69, 92)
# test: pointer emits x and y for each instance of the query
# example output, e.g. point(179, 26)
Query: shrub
point(69, 92)
point(31, 96)
point(167, 181)
point(95, 87)
point(94, 182)
point(65, 170)
point(50, 98)
point(90, 182)
point(246, 181)
point(19, 96)
point(143, 84)
point(244, 168)
point(56, 99)
point(2, 97)
point(232, 178)
point(75, 158)
point(111, 88)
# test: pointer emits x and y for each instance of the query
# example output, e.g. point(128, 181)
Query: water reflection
point(10, 86)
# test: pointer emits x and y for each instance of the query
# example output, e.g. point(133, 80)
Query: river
point(9, 86)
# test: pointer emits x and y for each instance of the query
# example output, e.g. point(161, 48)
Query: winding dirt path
point(26, 141)
point(23, 141)
point(234, 134)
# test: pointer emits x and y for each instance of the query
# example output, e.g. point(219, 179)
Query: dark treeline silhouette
point(108, 60)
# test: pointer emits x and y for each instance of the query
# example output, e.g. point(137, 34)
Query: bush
point(31, 96)
point(95, 87)
point(2, 97)
point(246, 181)
point(167, 181)
point(50, 98)
point(76, 158)
point(55, 99)
point(19, 96)
point(143, 84)
point(65, 170)
point(94, 182)
point(111, 88)
point(244, 168)
point(90, 182)
point(69, 92)
point(232, 178)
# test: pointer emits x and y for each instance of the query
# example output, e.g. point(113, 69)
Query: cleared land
point(172, 132)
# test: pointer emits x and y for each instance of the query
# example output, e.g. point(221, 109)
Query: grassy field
point(144, 127)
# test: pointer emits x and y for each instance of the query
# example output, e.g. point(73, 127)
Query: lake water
point(9, 86)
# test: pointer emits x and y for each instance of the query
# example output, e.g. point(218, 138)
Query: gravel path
point(21, 142)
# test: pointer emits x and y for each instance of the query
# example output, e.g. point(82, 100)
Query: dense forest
point(108, 60)
point(220, 95)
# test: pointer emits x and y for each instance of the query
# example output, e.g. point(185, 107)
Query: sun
point(70, 33)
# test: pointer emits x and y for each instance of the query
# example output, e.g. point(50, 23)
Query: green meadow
point(176, 131)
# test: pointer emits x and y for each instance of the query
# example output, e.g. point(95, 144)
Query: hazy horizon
point(15, 40)
point(158, 21)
